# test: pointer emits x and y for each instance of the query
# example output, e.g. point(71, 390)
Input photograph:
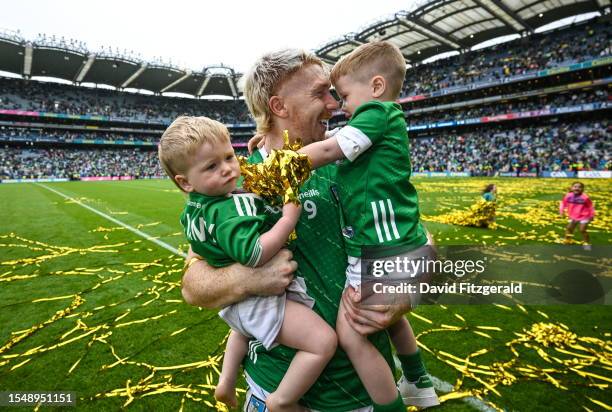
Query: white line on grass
point(439, 384)
point(118, 222)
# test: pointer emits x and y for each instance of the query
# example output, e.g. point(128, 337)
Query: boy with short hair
point(379, 207)
point(225, 226)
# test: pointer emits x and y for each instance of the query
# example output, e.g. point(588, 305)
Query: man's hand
point(273, 277)
point(372, 318)
point(209, 287)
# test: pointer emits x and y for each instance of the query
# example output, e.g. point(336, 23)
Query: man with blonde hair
point(290, 90)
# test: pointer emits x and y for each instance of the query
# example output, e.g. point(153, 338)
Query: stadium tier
point(535, 104)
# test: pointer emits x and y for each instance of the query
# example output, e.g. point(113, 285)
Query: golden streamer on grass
point(563, 358)
point(566, 355)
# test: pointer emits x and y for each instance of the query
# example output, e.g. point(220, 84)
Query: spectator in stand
point(552, 147)
point(58, 135)
point(24, 163)
point(483, 152)
point(417, 117)
point(21, 94)
point(538, 52)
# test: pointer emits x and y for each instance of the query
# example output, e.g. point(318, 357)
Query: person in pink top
point(580, 210)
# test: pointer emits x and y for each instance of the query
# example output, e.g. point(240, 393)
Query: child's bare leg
point(370, 365)
point(316, 343)
point(403, 337)
point(585, 234)
point(235, 351)
point(569, 231)
point(407, 350)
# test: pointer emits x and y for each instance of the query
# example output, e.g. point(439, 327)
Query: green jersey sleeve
point(238, 236)
point(366, 127)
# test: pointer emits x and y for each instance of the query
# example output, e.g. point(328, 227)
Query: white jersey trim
point(352, 141)
point(256, 255)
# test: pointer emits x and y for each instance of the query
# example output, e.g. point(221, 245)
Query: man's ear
point(378, 85)
point(277, 107)
point(182, 181)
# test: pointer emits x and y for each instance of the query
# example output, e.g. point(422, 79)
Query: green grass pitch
point(90, 307)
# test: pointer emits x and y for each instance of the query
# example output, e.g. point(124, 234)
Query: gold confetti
point(279, 177)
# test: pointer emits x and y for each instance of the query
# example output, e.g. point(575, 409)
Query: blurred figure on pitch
point(490, 193)
point(580, 211)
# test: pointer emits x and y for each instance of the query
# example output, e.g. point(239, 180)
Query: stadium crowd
point(551, 147)
point(18, 94)
point(61, 136)
point(29, 163)
point(482, 151)
point(538, 52)
point(8, 133)
point(490, 109)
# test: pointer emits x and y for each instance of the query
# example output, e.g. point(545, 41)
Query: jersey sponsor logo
point(194, 204)
point(309, 193)
point(384, 220)
point(252, 353)
point(245, 204)
point(198, 230)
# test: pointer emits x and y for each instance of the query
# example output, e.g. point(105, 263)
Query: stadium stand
point(568, 99)
point(534, 104)
point(553, 147)
point(538, 52)
point(35, 163)
point(18, 94)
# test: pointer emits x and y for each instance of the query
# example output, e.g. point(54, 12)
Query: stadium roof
point(439, 26)
point(432, 27)
point(70, 60)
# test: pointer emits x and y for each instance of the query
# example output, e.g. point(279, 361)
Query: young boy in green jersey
point(225, 226)
point(379, 206)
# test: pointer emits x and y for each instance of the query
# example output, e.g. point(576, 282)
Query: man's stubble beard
point(306, 133)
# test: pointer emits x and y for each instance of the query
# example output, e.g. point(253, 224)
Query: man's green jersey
point(379, 204)
point(225, 229)
point(319, 252)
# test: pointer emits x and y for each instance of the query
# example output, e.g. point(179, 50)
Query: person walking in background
point(580, 211)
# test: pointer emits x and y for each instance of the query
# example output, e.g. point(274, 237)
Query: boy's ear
point(379, 86)
point(277, 107)
point(184, 184)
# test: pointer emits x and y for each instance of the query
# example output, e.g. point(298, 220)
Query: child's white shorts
point(353, 269)
point(261, 317)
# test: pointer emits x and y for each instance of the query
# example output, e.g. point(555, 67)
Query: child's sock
point(412, 366)
point(396, 406)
